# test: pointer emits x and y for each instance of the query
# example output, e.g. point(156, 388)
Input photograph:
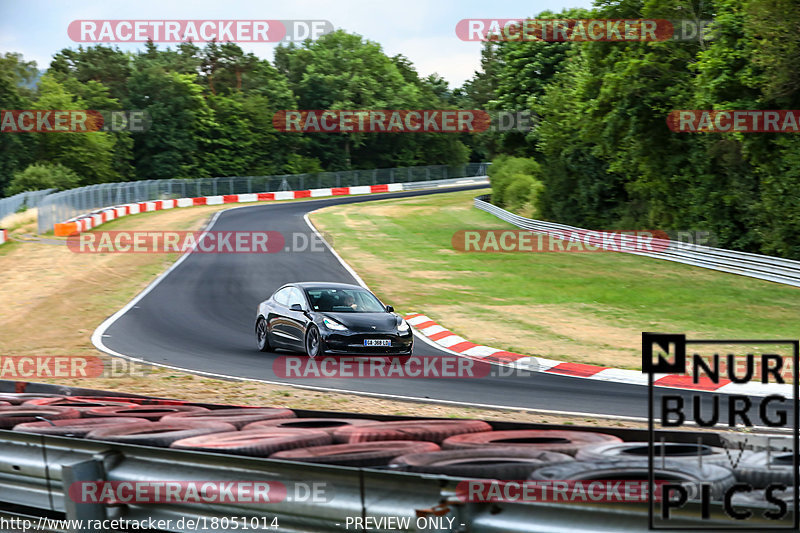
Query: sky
point(422, 30)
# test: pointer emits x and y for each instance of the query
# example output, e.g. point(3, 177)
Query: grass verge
point(580, 307)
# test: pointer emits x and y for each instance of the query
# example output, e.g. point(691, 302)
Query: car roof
point(325, 285)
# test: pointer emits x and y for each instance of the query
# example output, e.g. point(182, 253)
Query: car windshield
point(344, 301)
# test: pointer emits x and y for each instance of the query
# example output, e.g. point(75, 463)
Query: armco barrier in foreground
point(758, 266)
point(38, 471)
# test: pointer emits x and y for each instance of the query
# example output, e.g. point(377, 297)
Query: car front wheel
point(262, 337)
point(313, 342)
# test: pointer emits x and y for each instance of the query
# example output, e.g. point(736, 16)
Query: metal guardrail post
point(88, 470)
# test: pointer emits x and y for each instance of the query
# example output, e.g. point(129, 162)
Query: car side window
point(296, 297)
point(282, 296)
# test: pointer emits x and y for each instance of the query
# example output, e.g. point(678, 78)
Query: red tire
point(124, 399)
point(505, 462)
point(323, 424)
point(255, 442)
point(19, 414)
point(74, 428)
point(377, 453)
point(157, 433)
point(237, 417)
point(150, 412)
point(429, 430)
point(80, 405)
point(553, 440)
point(21, 397)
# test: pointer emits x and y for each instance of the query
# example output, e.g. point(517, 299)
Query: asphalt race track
point(200, 317)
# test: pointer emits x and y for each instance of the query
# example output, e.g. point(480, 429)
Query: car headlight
point(403, 326)
point(332, 324)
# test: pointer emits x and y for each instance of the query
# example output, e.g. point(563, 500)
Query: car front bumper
point(343, 342)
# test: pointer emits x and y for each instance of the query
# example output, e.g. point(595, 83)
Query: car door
point(279, 320)
point(297, 320)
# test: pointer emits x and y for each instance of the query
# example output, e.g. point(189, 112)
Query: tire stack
point(451, 447)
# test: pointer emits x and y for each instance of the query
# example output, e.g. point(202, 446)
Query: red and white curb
point(92, 220)
point(460, 346)
point(3, 235)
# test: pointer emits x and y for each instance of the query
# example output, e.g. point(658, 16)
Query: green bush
point(517, 194)
point(514, 181)
point(40, 176)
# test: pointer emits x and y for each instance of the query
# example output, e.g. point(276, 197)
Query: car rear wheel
point(262, 336)
point(313, 342)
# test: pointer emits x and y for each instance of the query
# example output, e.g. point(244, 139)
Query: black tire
point(314, 349)
point(262, 335)
point(676, 451)
point(509, 463)
point(760, 469)
point(688, 474)
point(158, 433)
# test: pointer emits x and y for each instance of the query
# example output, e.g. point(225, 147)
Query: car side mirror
point(296, 307)
point(389, 309)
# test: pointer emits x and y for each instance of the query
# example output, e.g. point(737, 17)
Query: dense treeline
point(601, 155)
point(211, 109)
point(603, 151)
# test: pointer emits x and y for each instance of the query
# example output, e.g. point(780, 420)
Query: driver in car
point(349, 301)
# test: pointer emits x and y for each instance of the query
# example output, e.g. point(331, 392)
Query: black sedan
point(330, 318)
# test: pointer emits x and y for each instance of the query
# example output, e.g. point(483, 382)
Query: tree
point(90, 155)
point(40, 176)
point(16, 149)
point(180, 124)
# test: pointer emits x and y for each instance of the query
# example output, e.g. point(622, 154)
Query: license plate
point(377, 342)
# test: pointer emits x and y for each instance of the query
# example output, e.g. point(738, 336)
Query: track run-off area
point(199, 317)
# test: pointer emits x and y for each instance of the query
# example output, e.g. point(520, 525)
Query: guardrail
point(66, 205)
point(36, 472)
point(778, 270)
